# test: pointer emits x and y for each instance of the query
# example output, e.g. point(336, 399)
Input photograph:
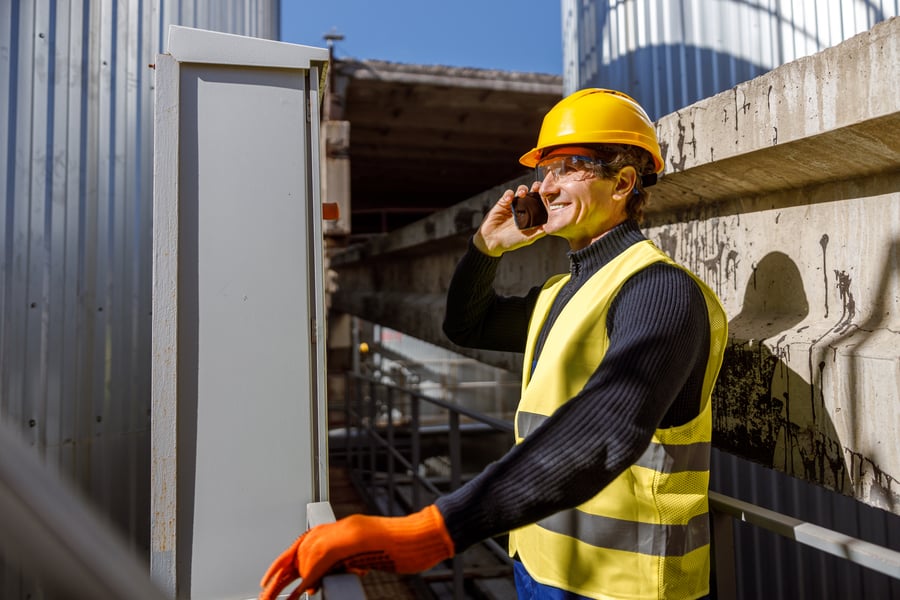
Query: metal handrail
point(453, 410)
point(725, 509)
point(338, 586)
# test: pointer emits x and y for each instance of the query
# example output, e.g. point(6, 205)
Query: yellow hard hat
point(596, 116)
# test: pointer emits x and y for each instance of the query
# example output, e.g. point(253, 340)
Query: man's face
point(581, 206)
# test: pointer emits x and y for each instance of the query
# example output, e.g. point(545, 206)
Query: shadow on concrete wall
point(877, 347)
point(763, 410)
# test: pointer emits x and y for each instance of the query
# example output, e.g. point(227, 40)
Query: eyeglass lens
point(564, 165)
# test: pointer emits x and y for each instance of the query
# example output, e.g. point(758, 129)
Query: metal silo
point(76, 123)
point(669, 54)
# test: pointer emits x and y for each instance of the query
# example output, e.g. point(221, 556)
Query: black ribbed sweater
point(650, 377)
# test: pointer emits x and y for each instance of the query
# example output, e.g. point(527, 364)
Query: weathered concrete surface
point(784, 195)
point(827, 117)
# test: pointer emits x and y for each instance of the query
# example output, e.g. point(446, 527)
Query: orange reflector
point(331, 211)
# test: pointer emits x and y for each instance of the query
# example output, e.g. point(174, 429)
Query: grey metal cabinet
point(238, 408)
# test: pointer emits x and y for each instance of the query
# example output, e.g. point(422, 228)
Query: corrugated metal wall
point(772, 567)
point(668, 54)
point(76, 124)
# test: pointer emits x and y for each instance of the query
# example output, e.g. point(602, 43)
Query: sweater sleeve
point(657, 330)
point(476, 316)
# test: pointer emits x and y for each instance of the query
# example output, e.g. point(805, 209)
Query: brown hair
point(617, 156)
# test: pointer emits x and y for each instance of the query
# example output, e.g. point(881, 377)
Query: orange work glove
point(408, 544)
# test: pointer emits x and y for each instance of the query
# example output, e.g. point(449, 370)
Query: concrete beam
point(452, 77)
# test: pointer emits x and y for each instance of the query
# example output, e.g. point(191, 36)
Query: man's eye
point(577, 165)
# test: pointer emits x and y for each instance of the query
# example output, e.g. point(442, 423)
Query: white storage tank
point(668, 54)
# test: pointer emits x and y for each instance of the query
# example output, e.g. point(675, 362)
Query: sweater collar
point(591, 259)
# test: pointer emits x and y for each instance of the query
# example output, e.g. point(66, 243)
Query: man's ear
point(626, 179)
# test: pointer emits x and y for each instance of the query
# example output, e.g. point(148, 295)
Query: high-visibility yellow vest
point(646, 535)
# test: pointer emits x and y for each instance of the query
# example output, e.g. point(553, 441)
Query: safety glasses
point(570, 168)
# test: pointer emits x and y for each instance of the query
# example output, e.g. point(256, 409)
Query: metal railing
point(725, 510)
point(338, 586)
point(371, 436)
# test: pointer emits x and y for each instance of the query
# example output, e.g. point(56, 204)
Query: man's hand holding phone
point(499, 231)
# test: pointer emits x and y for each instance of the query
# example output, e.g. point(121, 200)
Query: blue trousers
point(529, 589)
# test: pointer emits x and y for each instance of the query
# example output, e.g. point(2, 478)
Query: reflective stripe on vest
point(618, 534)
point(662, 457)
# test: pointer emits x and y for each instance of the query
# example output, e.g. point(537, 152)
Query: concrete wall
point(782, 193)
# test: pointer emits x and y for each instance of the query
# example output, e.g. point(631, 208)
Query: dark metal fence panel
point(770, 566)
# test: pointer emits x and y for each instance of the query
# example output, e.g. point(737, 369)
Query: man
point(605, 492)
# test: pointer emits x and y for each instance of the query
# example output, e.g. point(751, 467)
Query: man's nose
point(548, 185)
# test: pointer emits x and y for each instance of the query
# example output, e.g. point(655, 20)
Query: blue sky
point(511, 35)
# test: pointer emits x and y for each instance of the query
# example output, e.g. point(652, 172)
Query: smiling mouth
point(556, 207)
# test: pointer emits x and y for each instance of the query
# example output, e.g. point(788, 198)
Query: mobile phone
point(529, 211)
